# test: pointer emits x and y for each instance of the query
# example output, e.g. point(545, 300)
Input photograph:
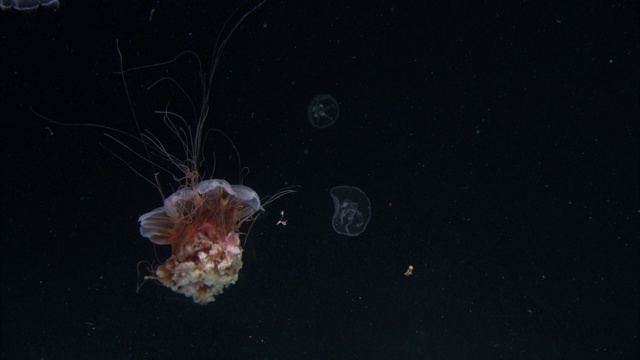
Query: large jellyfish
point(201, 224)
point(201, 220)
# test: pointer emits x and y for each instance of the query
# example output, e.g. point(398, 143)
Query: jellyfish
point(201, 223)
point(202, 219)
point(323, 111)
point(27, 4)
point(352, 210)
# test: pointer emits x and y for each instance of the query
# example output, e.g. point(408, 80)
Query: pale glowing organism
point(323, 111)
point(352, 210)
point(27, 4)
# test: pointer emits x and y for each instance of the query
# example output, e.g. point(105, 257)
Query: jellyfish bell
point(201, 224)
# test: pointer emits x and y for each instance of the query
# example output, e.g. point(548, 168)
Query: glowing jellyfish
point(352, 210)
point(27, 4)
point(323, 111)
point(201, 224)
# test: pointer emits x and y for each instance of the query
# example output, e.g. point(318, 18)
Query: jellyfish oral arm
point(203, 268)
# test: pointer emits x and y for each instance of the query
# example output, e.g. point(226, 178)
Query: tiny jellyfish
point(27, 4)
point(352, 210)
point(323, 111)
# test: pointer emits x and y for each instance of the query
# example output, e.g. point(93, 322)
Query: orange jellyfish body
point(201, 224)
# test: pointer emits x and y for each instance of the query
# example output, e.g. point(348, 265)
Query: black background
point(498, 146)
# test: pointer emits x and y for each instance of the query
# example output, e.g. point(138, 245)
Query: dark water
point(498, 146)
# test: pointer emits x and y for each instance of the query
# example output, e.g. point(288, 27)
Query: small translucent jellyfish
point(27, 4)
point(352, 210)
point(201, 223)
point(323, 111)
